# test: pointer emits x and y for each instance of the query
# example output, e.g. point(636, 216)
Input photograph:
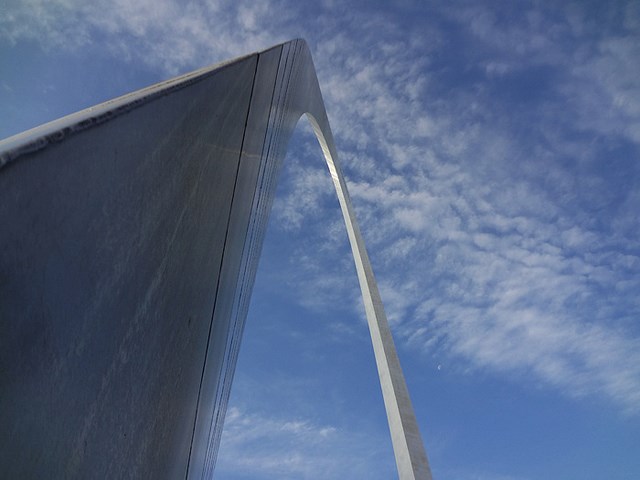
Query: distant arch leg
point(411, 458)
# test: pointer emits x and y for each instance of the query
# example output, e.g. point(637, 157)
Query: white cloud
point(526, 281)
point(162, 34)
point(255, 445)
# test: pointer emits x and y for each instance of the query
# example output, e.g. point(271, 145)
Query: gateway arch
point(131, 233)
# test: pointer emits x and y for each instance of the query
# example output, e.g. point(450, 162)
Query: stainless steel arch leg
point(411, 458)
point(130, 238)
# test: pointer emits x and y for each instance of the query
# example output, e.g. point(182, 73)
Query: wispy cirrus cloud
point(256, 444)
point(164, 34)
point(513, 252)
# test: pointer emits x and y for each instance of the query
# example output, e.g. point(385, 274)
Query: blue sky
point(492, 153)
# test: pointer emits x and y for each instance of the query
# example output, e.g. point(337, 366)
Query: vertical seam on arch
point(247, 254)
point(241, 282)
point(224, 246)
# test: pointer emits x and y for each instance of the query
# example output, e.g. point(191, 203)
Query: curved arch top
point(125, 275)
point(411, 458)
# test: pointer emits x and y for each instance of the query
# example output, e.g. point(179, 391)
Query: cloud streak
point(506, 249)
point(258, 445)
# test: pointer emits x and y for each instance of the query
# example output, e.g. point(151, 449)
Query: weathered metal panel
point(110, 251)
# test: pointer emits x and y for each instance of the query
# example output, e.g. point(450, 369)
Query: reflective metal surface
point(131, 235)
